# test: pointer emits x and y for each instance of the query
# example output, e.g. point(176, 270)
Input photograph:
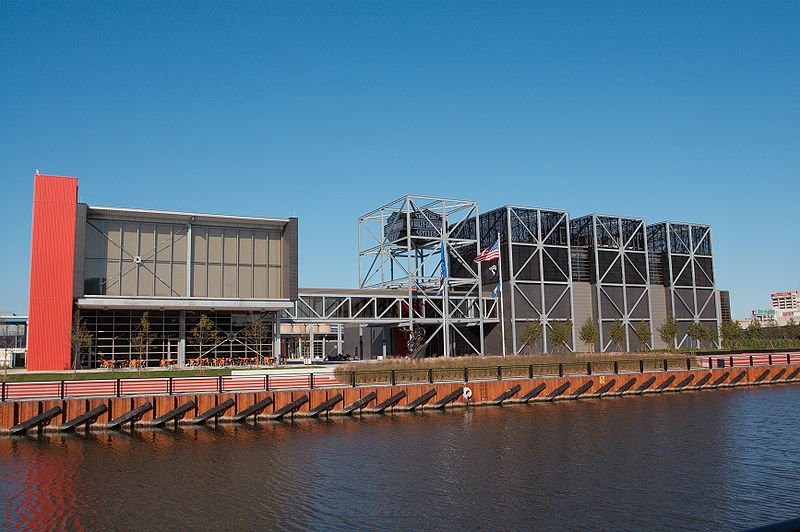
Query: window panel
point(215, 280)
point(245, 247)
point(113, 231)
point(145, 280)
point(96, 241)
point(199, 281)
point(112, 278)
point(163, 279)
point(274, 248)
point(260, 282)
point(275, 288)
point(179, 241)
point(94, 276)
point(200, 246)
point(245, 281)
point(147, 241)
point(229, 281)
point(179, 280)
point(230, 247)
point(128, 279)
point(130, 239)
point(214, 245)
point(260, 248)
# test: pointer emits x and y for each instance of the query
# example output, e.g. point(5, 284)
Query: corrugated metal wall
point(52, 267)
point(658, 301)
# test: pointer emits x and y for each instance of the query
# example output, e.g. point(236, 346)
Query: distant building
point(764, 316)
point(725, 305)
point(13, 339)
point(785, 308)
point(785, 300)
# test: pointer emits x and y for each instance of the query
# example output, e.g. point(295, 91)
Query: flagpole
point(502, 317)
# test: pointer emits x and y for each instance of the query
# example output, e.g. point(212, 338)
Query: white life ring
point(467, 393)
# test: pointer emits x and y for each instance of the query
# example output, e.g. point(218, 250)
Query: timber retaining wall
point(485, 392)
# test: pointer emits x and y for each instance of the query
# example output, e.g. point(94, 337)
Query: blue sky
point(688, 111)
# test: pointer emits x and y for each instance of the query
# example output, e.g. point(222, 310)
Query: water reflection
point(705, 460)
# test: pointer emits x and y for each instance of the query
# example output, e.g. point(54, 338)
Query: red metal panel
point(52, 263)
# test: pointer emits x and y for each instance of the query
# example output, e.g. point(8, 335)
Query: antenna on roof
point(37, 171)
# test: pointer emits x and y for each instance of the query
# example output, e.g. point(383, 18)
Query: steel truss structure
point(686, 253)
point(617, 248)
point(370, 307)
point(537, 271)
point(417, 272)
point(424, 246)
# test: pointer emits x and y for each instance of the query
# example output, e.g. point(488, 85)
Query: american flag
point(490, 253)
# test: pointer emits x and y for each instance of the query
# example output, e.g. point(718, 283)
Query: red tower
point(55, 201)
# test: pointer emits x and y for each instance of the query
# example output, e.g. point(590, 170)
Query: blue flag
point(444, 268)
point(496, 291)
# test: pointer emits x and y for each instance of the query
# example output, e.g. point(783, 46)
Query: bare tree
point(258, 333)
point(142, 338)
point(204, 333)
point(80, 338)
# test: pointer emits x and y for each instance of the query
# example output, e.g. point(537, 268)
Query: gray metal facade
point(686, 253)
point(617, 251)
point(619, 274)
point(537, 273)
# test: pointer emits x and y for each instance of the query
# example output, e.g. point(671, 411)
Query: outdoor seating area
point(134, 363)
point(222, 362)
point(199, 362)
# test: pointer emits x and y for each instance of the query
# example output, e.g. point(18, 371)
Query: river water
point(713, 460)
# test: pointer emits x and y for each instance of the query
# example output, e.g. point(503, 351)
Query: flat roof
point(191, 217)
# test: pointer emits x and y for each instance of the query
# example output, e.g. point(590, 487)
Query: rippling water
point(722, 460)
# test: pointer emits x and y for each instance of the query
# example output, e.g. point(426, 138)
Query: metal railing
point(501, 372)
point(162, 386)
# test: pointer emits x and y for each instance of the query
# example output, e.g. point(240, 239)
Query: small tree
point(668, 331)
point(697, 332)
point(711, 334)
point(617, 333)
point(204, 333)
point(589, 334)
point(791, 330)
point(732, 333)
point(79, 337)
point(755, 331)
point(258, 333)
point(143, 337)
point(530, 334)
point(644, 334)
point(560, 334)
